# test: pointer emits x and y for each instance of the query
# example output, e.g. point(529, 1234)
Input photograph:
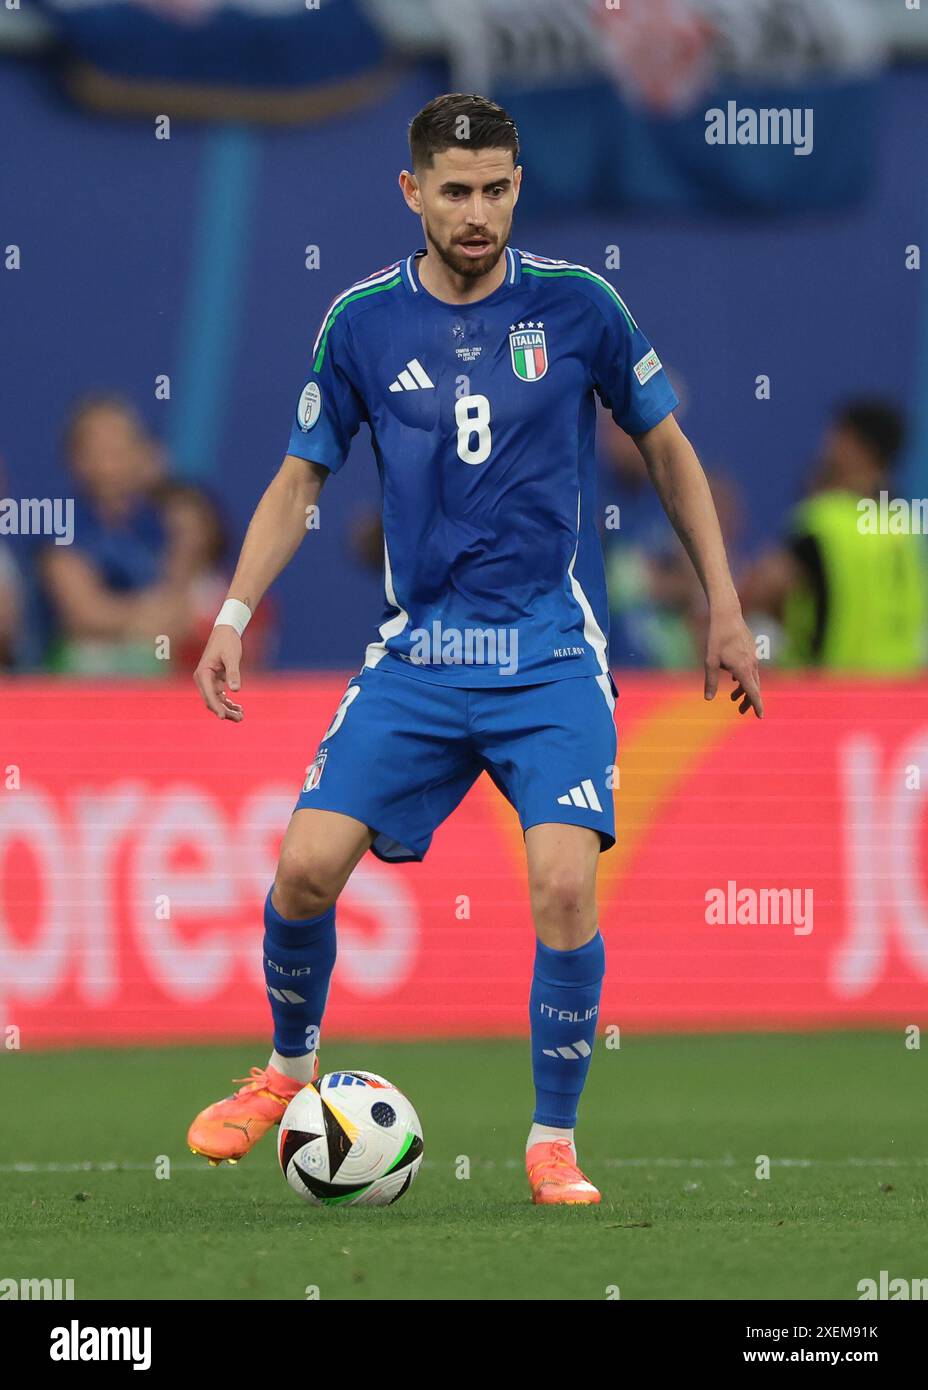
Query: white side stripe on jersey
point(592, 631)
point(391, 627)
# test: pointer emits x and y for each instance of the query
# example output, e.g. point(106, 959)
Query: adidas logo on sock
point(584, 795)
point(286, 996)
point(413, 378)
point(581, 1048)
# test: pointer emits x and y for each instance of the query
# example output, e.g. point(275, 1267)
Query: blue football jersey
point(482, 420)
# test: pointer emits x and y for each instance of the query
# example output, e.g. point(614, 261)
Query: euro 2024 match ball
point(350, 1138)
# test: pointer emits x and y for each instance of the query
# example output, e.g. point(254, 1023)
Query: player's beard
point(463, 265)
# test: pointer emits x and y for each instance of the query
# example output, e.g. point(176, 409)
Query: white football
point(350, 1138)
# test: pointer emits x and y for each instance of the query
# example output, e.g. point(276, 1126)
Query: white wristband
point(234, 614)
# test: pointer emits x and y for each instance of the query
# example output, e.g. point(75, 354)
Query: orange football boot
point(229, 1129)
point(554, 1177)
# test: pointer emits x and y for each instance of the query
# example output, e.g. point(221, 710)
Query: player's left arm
point(681, 485)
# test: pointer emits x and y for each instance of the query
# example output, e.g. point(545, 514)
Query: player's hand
point(218, 672)
point(730, 647)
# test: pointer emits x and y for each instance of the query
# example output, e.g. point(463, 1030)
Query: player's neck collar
point(513, 276)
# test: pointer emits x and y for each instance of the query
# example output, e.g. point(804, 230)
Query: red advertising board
point(768, 874)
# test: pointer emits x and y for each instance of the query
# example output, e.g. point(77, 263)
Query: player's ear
point(409, 187)
point(516, 183)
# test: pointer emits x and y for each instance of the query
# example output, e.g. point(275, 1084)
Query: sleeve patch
point(307, 412)
point(646, 368)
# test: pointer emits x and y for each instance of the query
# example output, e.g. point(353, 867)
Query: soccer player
point(474, 365)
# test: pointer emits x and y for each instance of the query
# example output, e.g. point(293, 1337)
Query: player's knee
point(563, 895)
point(304, 887)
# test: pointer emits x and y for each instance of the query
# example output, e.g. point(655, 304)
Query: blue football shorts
point(401, 753)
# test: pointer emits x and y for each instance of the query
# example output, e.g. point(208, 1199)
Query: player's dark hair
point(877, 423)
point(460, 119)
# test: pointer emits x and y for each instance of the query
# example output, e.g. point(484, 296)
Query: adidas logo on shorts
point(584, 795)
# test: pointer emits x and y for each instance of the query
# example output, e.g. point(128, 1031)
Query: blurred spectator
point(108, 598)
point(145, 560)
point(197, 547)
point(657, 610)
point(12, 598)
point(848, 598)
point(10, 606)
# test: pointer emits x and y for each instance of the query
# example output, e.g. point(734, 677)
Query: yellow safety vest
point(875, 584)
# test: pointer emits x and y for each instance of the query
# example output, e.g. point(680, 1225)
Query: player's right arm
point(273, 537)
point(328, 414)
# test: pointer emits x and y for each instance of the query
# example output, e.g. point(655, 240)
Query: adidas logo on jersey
point(414, 377)
point(584, 795)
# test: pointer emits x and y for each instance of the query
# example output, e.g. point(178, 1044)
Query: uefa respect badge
point(310, 406)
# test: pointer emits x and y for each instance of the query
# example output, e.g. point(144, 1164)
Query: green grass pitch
point(670, 1128)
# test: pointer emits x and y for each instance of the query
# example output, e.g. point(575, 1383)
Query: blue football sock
point(298, 961)
point(563, 1008)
